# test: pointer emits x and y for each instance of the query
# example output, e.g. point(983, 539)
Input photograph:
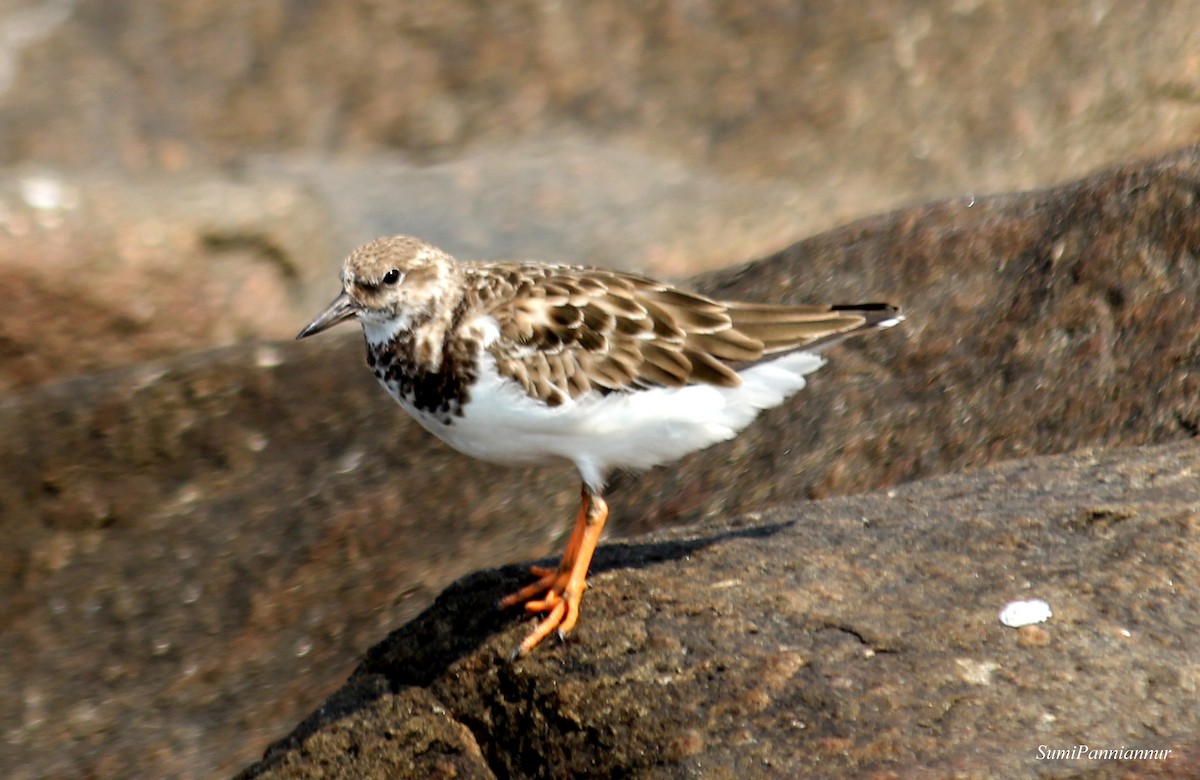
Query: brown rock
point(179, 540)
point(865, 106)
point(194, 549)
point(402, 734)
point(102, 271)
point(1033, 636)
point(853, 635)
point(572, 198)
point(1038, 323)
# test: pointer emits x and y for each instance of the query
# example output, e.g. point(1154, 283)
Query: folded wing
point(566, 331)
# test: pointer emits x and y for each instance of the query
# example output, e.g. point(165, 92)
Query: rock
point(195, 549)
point(1038, 322)
point(855, 635)
point(863, 108)
point(177, 540)
point(569, 199)
point(103, 271)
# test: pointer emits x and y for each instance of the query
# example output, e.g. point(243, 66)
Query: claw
point(561, 589)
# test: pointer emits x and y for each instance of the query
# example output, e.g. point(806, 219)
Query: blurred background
point(185, 176)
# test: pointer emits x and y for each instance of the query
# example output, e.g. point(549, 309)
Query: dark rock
point(180, 543)
point(193, 551)
point(853, 635)
point(1038, 323)
point(369, 731)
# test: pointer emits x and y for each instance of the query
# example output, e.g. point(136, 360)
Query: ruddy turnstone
point(527, 362)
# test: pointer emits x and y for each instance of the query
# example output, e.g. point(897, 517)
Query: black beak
point(340, 310)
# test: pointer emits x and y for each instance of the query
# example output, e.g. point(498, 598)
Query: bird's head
point(388, 285)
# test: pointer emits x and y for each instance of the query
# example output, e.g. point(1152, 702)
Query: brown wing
point(564, 331)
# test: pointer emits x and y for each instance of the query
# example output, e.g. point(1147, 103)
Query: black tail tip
point(881, 315)
point(887, 308)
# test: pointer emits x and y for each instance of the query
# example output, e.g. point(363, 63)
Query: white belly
point(598, 433)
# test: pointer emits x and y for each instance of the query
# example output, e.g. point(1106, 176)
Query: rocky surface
point(180, 541)
point(196, 549)
point(861, 107)
point(853, 636)
point(102, 272)
point(215, 539)
point(1038, 322)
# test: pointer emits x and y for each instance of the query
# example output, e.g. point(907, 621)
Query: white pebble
point(1025, 613)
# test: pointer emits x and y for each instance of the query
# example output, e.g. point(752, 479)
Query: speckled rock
point(180, 542)
point(1038, 322)
point(855, 635)
point(215, 539)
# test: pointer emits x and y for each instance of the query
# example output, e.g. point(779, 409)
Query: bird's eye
point(392, 276)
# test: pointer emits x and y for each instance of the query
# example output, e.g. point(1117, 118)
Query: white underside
point(621, 430)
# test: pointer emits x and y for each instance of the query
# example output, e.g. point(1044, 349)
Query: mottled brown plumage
point(525, 362)
point(566, 330)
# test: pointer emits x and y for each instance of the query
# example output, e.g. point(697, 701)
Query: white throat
point(381, 331)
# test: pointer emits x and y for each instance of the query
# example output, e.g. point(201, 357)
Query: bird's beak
point(342, 308)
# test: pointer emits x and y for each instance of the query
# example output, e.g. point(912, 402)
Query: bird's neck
point(416, 342)
point(421, 334)
point(381, 331)
point(422, 368)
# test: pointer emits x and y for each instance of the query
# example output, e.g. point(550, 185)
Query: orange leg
point(547, 578)
point(563, 587)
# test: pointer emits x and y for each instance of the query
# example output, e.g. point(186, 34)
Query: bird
point(529, 362)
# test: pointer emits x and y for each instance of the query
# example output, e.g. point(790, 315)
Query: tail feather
point(789, 328)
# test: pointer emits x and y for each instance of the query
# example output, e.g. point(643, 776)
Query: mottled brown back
point(565, 331)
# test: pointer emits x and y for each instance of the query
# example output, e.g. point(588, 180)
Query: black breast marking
point(441, 393)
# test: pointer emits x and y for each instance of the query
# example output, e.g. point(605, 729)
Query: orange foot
point(561, 589)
